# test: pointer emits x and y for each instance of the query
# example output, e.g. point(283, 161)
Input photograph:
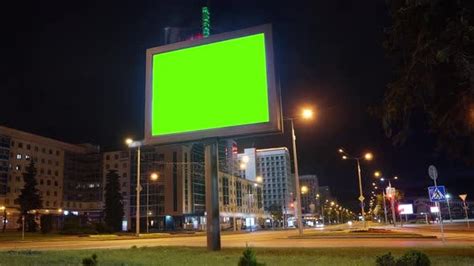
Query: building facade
point(52, 161)
point(274, 167)
point(309, 191)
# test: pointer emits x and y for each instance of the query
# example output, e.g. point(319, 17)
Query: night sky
point(75, 71)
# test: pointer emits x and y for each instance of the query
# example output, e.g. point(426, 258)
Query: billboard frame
point(275, 123)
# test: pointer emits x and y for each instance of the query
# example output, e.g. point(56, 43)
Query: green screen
point(216, 85)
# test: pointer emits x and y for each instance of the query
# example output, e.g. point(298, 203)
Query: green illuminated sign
point(213, 89)
point(206, 22)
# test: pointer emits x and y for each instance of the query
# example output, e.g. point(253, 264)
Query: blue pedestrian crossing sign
point(437, 193)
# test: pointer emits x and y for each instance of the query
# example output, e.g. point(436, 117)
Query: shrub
point(102, 228)
point(90, 261)
point(46, 222)
point(249, 258)
point(385, 260)
point(414, 258)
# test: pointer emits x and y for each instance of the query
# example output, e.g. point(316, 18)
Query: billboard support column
point(212, 196)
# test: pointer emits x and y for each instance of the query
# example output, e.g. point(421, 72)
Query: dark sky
point(74, 71)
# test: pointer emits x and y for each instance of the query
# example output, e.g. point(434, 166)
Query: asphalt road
point(276, 239)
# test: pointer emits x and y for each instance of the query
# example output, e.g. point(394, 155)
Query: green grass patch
point(230, 256)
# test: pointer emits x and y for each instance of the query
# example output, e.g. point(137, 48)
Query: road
point(275, 239)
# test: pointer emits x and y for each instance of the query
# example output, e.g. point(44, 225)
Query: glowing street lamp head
point(259, 179)
point(382, 179)
point(128, 141)
point(340, 151)
point(377, 174)
point(304, 189)
point(395, 177)
point(243, 166)
point(344, 157)
point(154, 176)
point(307, 113)
point(368, 156)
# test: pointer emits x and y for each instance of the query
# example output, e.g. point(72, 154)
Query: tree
point(113, 202)
point(276, 212)
point(431, 43)
point(29, 197)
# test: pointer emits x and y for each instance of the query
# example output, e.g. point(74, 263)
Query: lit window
point(18, 156)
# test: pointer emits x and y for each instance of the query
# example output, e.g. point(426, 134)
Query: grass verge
point(230, 256)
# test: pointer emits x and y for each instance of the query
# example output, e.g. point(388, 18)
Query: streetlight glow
point(128, 141)
point(368, 156)
point(344, 157)
point(154, 176)
point(307, 113)
point(304, 189)
point(377, 174)
point(341, 151)
point(259, 179)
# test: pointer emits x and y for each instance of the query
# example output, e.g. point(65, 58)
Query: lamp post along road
point(368, 156)
point(306, 114)
point(361, 195)
point(384, 206)
point(136, 144)
point(297, 181)
point(449, 207)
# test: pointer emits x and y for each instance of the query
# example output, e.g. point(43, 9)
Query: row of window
point(27, 157)
point(45, 203)
point(271, 158)
point(107, 166)
point(35, 148)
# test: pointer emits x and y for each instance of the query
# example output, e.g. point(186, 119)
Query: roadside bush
point(46, 222)
point(90, 261)
point(385, 260)
point(249, 258)
point(102, 228)
point(410, 258)
point(414, 258)
point(73, 226)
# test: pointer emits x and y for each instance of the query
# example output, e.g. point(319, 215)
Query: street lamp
point(368, 157)
point(391, 196)
point(304, 189)
point(153, 177)
point(136, 144)
point(448, 196)
point(306, 114)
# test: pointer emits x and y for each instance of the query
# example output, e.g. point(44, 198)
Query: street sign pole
point(463, 197)
point(434, 175)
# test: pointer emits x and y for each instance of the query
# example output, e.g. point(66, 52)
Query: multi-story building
point(274, 167)
point(53, 161)
point(177, 199)
point(119, 161)
point(309, 199)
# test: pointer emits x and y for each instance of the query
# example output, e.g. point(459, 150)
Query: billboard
point(405, 208)
point(220, 86)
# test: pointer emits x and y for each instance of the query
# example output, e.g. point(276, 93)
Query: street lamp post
point(297, 181)
point(368, 156)
point(449, 208)
point(136, 144)
point(153, 177)
point(307, 114)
